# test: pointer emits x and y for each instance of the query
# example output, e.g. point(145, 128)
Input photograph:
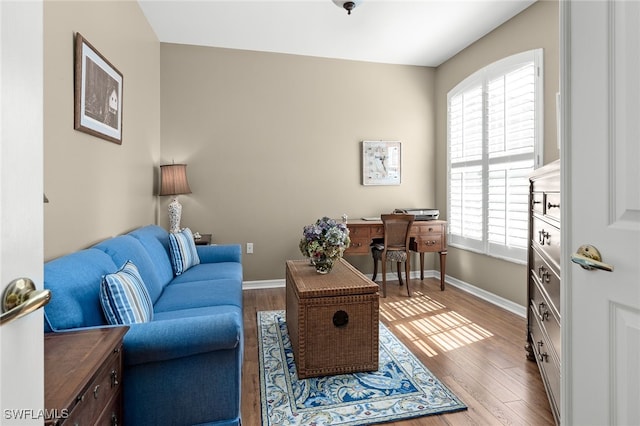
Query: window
point(494, 138)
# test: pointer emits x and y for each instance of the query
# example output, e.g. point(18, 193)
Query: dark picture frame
point(98, 93)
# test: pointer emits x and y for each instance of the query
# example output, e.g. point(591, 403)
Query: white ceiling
point(419, 32)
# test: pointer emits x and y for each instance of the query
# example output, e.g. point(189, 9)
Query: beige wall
point(536, 27)
point(96, 188)
point(272, 142)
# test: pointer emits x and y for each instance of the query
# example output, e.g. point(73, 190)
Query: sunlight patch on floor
point(419, 304)
point(434, 329)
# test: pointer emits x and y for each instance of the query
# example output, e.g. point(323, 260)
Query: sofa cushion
point(74, 281)
point(124, 297)
point(183, 251)
point(124, 248)
point(211, 271)
point(156, 241)
point(197, 294)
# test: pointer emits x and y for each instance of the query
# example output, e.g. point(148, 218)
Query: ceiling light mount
point(347, 5)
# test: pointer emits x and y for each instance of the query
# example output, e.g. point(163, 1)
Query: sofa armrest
point(181, 337)
point(220, 253)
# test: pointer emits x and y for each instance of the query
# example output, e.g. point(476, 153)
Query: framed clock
point(381, 162)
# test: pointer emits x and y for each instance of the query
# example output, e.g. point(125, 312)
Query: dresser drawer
point(552, 205)
point(101, 392)
point(546, 316)
point(548, 279)
point(537, 202)
point(546, 238)
point(548, 365)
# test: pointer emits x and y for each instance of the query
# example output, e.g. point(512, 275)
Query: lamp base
point(175, 213)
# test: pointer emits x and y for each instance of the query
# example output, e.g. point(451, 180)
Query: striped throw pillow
point(124, 297)
point(183, 251)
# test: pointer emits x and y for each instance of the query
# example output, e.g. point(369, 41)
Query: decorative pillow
point(183, 251)
point(124, 297)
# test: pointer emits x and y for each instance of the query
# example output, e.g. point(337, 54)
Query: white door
point(21, 206)
point(601, 195)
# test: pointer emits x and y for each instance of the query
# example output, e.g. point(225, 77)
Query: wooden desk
point(428, 236)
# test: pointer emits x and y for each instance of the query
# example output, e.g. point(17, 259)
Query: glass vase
point(324, 265)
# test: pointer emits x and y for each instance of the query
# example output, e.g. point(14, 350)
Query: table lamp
point(173, 181)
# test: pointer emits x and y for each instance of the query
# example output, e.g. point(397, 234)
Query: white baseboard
point(464, 286)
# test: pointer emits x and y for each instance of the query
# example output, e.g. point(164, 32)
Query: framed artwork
point(98, 93)
point(381, 162)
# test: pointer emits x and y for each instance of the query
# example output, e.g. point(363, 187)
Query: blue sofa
point(183, 367)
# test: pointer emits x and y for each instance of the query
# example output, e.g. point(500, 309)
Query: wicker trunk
point(332, 319)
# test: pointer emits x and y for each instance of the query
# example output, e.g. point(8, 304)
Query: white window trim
point(511, 254)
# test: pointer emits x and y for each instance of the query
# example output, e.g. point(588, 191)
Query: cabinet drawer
point(546, 316)
point(548, 279)
point(100, 392)
point(549, 367)
point(112, 414)
point(546, 238)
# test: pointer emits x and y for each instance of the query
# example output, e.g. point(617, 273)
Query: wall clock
point(381, 162)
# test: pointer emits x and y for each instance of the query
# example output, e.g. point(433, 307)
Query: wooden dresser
point(82, 377)
point(544, 315)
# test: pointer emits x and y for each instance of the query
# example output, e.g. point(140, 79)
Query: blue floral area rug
point(402, 387)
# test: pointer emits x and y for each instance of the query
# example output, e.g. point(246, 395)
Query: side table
point(204, 240)
point(83, 376)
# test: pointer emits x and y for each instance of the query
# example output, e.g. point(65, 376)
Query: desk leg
point(443, 262)
point(421, 266)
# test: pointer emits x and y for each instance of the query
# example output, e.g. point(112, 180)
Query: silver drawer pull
point(542, 356)
point(543, 312)
point(542, 236)
point(552, 206)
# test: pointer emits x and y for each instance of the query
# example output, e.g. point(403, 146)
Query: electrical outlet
point(249, 248)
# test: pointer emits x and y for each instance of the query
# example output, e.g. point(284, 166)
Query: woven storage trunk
point(332, 319)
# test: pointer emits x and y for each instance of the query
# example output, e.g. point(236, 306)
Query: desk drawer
point(359, 245)
point(428, 237)
point(427, 244)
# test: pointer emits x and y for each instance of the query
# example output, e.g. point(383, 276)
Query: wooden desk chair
point(395, 247)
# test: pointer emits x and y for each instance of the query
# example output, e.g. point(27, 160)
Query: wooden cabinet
point(83, 377)
point(544, 313)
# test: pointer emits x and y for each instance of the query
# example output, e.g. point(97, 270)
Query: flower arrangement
point(325, 239)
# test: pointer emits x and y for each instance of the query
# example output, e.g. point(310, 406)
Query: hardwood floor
point(474, 347)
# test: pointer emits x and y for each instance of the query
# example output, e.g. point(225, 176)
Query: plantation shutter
point(511, 142)
point(466, 148)
point(493, 141)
